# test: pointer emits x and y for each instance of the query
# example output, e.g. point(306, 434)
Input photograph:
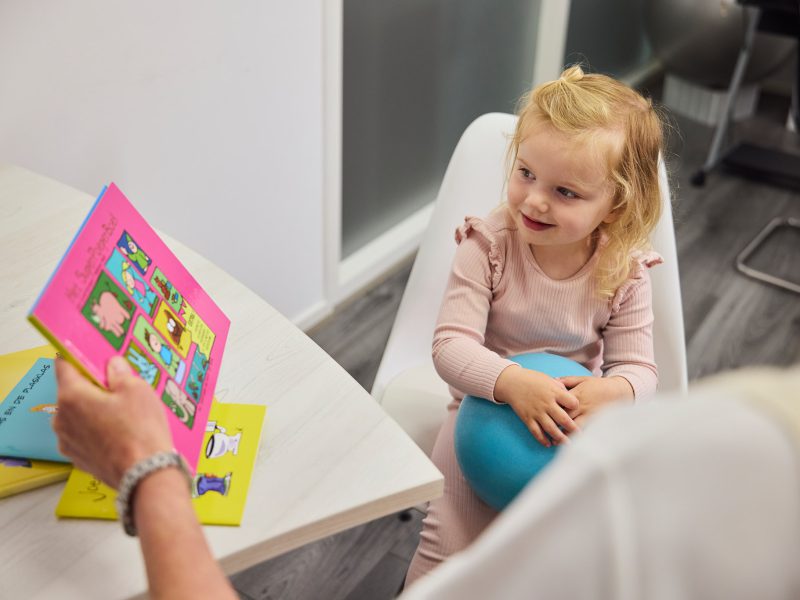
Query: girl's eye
point(526, 173)
point(567, 193)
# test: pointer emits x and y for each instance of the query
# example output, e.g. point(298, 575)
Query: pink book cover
point(119, 290)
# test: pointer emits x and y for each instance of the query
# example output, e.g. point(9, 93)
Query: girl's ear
point(615, 213)
point(613, 216)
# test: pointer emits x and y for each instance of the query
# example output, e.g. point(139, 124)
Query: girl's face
point(559, 191)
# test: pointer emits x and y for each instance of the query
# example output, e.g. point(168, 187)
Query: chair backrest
point(473, 185)
point(668, 333)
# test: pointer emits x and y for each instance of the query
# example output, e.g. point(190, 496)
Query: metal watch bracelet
point(135, 474)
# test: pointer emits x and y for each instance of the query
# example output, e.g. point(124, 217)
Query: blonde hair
point(582, 104)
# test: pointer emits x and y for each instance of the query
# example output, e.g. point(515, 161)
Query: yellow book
point(219, 490)
point(15, 365)
point(20, 474)
point(27, 405)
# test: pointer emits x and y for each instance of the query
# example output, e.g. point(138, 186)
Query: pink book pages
point(119, 290)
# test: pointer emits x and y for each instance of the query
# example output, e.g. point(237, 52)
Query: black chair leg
point(753, 15)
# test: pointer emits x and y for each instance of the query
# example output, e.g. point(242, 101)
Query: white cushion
point(417, 399)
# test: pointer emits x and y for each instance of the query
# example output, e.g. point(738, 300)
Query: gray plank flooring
point(363, 562)
point(356, 334)
point(730, 321)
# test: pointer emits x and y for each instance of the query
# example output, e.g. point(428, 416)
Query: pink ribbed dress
point(499, 303)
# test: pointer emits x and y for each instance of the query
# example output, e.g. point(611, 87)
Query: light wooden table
point(330, 458)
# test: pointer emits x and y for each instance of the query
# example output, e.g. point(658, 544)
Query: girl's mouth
point(534, 224)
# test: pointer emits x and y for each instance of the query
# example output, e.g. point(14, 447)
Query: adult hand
point(540, 401)
point(593, 393)
point(105, 433)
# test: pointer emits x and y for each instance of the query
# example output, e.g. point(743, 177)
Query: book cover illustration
point(20, 474)
point(119, 290)
point(27, 405)
point(219, 489)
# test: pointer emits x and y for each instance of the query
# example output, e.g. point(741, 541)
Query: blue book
point(28, 392)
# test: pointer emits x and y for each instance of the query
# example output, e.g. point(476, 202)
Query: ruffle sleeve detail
point(644, 259)
point(648, 259)
point(477, 226)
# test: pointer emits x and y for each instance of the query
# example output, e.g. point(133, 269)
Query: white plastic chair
point(406, 385)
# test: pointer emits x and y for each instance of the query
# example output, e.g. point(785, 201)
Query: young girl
point(561, 267)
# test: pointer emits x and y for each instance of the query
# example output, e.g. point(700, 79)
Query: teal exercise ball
point(497, 453)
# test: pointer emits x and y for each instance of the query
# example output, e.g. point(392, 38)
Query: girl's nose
point(538, 200)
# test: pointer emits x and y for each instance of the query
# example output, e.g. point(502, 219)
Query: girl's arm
point(630, 371)
point(628, 337)
point(458, 351)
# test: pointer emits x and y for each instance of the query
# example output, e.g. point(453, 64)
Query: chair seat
point(417, 399)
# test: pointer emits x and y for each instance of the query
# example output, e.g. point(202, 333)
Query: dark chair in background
point(769, 165)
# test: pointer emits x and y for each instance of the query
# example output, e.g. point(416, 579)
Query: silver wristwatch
point(135, 474)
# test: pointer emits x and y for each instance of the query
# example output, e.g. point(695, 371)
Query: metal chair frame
point(753, 14)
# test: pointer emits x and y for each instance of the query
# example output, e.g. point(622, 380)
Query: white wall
point(207, 114)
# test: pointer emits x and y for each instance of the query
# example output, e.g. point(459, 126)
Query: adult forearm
point(177, 557)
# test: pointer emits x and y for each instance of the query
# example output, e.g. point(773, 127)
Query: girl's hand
point(540, 401)
point(593, 393)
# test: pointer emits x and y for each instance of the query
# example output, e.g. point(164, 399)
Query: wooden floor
point(730, 321)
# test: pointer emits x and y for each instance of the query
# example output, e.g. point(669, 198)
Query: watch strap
point(134, 476)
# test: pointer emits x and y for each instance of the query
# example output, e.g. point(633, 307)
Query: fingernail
point(118, 365)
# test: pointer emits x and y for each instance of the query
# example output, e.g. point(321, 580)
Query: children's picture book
point(219, 489)
point(118, 290)
point(27, 405)
point(21, 474)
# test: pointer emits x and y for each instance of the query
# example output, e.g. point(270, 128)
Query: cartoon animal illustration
point(109, 313)
point(220, 443)
point(109, 309)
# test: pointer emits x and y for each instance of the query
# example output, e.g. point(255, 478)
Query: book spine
point(62, 350)
point(63, 256)
point(18, 487)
